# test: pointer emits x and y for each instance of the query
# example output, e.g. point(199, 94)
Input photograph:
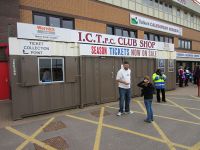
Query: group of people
point(147, 90)
point(185, 75)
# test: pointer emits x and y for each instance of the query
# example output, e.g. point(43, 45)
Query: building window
point(119, 31)
point(151, 3)
point(151, 37)
point(170, 9)
point(54, 21)
point(166, 39)
point(156, 4)
point(110, 30)
point(166, 8)
point(159, 38)
point(192, 18)
point(133, 34)
point(40, 20)
point(161, 5)
point(170, 40)
point(50, 70)
point(185, 15)
point(68, 23)
point(146, 36)
point(178, 13)
point(179, 43)
point(184, 44)
point(125, 33)
point(156, 38)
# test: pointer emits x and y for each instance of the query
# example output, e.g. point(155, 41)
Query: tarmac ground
point(176, 126)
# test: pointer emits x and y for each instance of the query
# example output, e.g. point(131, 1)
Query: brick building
point(173, 25)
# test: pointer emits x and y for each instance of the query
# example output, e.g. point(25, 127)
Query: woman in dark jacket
point(147, 92)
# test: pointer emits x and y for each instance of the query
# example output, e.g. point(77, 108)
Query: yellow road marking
point(187, 111)
point(36, 133)
point(128, 131)
point(82, 119)
point(41, 144)
point(99, 130)
point(179, 120)
point(195, 97)
point(186, 99)
point(176, 106)
point(196, 146)
point(162, 134)
point(135, 101)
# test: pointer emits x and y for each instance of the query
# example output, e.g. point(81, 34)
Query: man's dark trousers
point(158, 95)
point(125, 96)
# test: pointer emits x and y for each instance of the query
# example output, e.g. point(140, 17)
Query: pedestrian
point(147, 92)
point(159, 81)
point(187, 76)
point(181, 76)
point(124, 84)
point(197, 75)
point(194, 75)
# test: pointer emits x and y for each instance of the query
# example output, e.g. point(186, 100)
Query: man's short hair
point(125, 62)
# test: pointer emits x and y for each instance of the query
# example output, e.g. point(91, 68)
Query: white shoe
point(130, 112)
point(119, 114)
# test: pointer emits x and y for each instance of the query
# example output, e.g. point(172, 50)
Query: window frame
point(55, 16)
point(159, 37)
point(122, 29)
point(52, 82)
point(38, 14)
point(182, 46)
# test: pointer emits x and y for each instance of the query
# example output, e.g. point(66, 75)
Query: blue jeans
point(148, 103)
point(125, 96)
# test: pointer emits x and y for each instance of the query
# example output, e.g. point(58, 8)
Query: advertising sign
point(30, 31)
point(145, 22)
point(161, 65)
point(100, 50)
point(187, 55)
point(39, 32)
point(170, 65)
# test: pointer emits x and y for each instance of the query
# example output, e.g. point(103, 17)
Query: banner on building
point(100, 50)
point(31, 47)
point(145, 22)
point(38, 32)
point(161, 65)
point(187, 55)
point(171, 65)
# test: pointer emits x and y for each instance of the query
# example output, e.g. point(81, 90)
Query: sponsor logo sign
point(145, 22)
point(187, 55)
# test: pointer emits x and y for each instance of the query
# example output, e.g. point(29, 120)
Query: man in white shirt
point(124, 83)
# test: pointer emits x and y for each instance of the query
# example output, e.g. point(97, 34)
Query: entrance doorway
point(4, 72)
point(107, 79)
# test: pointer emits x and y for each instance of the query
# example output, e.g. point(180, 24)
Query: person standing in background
point(197, 75)
point(181, 76)
point(124, 84)
point(159, 82)
point(147, 92)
